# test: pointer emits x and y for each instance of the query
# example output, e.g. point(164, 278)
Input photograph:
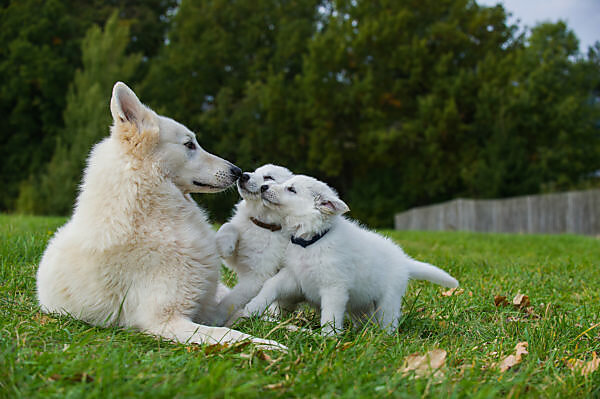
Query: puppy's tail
point(425, 271)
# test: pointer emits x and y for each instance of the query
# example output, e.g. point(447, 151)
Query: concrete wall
point(575, 212)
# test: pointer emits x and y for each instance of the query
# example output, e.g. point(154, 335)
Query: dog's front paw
point(225, 245)
point(233, 336)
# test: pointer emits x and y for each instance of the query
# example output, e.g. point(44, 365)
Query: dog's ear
point(135, 125)
point(125, 106)
point(331, 205)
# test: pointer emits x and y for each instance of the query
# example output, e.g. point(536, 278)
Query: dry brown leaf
point(583, 366)
point(521, 301)
point(512, 360)
point(500, 300)
point(425, 365)
point(521, 349)
point(210, 349)
point(453, 291)
point(265, 357)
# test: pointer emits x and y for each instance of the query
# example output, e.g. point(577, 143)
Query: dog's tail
point(425, 271)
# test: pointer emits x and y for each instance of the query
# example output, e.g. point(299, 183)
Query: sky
point(582, 16)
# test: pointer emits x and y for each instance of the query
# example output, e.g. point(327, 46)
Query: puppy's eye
point(291, 189)
point(190, 145)
point(268, 178)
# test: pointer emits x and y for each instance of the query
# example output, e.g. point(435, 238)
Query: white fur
point(253, 252)
point(349, 269)
point(138, 251)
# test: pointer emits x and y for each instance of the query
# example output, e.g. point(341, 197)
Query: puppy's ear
point(331, 205)
point(125, 106)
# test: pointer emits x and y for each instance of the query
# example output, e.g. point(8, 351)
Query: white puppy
point(138, 251)
point(334, 262)
point(252, 243)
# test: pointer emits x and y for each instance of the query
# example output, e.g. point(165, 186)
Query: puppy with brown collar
point(253, 242)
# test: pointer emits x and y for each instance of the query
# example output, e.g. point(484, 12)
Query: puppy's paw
point(226, 244)
point(240, 314)
point(329, 330)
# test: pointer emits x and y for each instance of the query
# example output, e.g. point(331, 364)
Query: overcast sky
point(582, 16)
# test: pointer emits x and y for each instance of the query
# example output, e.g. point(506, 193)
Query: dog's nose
point(245, 177)
point(264, 188)
point(237, 172)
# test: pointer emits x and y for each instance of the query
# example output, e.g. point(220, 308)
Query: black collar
point(272, 227)
point(305, 243)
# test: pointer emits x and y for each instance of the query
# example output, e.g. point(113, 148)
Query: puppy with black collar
point(252, 243)
point(335, 263)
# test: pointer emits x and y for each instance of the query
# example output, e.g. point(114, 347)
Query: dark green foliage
point(39, 52)
point(394, 103)
point(229, 73)
point(40, 49)
point(86, 117)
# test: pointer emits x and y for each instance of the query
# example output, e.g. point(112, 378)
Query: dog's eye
point(291, 189)
point(268, 178)
point(190, 145)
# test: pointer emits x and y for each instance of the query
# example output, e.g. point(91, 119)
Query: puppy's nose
point(264, 188)
point(237, 172)
point(245, 177)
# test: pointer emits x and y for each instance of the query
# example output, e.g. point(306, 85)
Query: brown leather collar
point(272, 227)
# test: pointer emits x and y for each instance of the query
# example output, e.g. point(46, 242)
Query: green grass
point(47, 356)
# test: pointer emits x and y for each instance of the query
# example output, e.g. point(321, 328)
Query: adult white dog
point(138, 251)
point(252, 243)
point(334, 262)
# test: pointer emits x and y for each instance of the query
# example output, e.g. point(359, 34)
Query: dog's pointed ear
point(125, 106)
point(331, 205)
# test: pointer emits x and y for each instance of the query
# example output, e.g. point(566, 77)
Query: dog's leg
point(184, 330)
point(222, 292)
point(227, 239)
point(281, 285)
point(389, 311)
point(244, 291)
point(333, 308)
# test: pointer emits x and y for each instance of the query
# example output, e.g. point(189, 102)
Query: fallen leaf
point(521, 301)
point(265, 357)
point(210, 349)
point(425, 365)
point(453, 291)
point(583, 366)
point(500, 300)
point(512, 360)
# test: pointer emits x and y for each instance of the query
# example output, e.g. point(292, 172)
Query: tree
point(86, 117)
point(229, 73)
point(390, 99)
point(40, 44)
point(540, 113)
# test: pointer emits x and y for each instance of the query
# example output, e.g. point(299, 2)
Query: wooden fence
point(575, 212)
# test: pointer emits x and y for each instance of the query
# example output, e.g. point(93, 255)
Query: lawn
point(48, 356)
